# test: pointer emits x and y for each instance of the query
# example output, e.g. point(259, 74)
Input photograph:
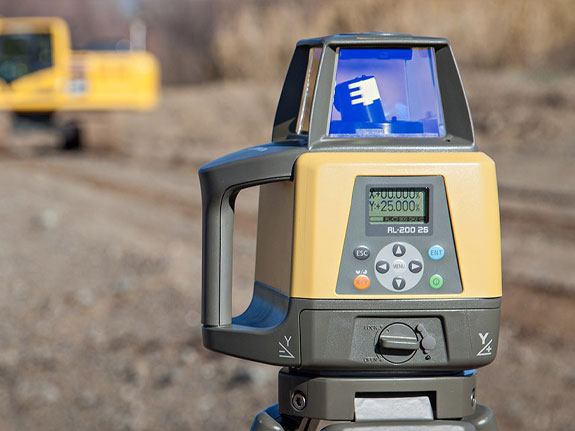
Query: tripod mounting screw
point(298, 401)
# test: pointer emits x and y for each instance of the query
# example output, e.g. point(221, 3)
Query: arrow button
point(398, 283)
point(382, 266)
point(398, 250)
point(415, 266)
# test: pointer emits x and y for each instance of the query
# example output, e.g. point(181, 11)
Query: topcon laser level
point(378, 266)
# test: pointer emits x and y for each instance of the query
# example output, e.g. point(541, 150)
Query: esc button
point(361, 282)
point(361, 252)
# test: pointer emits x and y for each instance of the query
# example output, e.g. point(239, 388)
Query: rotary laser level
point(378, 266)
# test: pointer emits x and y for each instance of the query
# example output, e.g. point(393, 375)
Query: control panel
point(399, 239)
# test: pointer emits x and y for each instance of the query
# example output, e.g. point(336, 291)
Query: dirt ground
point(100, 260)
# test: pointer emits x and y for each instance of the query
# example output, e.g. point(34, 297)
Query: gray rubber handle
point(221, 181)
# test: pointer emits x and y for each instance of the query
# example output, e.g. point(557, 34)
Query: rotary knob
point(398, 343)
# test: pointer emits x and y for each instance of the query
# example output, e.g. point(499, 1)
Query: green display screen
point(406, 205)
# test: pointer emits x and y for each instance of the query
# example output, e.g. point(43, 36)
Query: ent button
point(361, 282)
point(436, 252)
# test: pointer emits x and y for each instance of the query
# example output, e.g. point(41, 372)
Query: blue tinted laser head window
point(386, 93)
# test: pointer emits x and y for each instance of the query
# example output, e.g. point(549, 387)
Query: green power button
point(436, 281)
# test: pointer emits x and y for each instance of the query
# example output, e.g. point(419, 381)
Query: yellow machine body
point(378, 243)
point(78, 80)
point(302, 224)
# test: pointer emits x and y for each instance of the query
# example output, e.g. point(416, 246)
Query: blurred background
point(100, 251)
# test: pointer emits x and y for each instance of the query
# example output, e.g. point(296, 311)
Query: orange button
point(361, 282)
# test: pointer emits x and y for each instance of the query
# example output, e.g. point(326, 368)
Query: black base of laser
point(333, 403)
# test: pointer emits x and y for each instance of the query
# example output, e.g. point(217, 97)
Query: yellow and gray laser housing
point(378, 244)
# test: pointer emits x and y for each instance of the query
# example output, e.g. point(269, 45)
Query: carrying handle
point(221, 181)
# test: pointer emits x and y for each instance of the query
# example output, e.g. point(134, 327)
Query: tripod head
point(378, 245)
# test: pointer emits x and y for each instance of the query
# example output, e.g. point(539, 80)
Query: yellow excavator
point(40, 76)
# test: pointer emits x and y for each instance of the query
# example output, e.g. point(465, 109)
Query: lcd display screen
point(405, 205)
point(386, 93)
